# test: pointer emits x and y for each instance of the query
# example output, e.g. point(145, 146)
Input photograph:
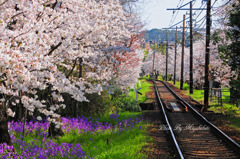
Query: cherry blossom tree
point(131, 63)
point(219, 71)
point(160, 61)
point(41, 43)
point(227, 40)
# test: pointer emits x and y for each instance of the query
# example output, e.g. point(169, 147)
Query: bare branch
point(74, 65)
point(3, 75)
point(53, 48)
point(3, 2)
point(18, 14)
point(21, 34)
point(40, 70)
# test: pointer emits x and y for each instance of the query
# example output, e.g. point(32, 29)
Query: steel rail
point(168, 124)
point(235, 146)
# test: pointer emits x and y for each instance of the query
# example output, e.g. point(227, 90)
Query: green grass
point(235, 122)
point(112, 144)
point(160, 77)
point(145, 85)
point(198, 95)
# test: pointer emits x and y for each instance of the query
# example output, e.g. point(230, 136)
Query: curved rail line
point(193, 142)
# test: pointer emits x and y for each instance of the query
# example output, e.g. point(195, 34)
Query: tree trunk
point(53, 131)
point(4, 135)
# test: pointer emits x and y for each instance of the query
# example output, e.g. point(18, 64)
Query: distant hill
point(161, 35)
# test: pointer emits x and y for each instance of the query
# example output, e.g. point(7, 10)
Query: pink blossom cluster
point(43, 41)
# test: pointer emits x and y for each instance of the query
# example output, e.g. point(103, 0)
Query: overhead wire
point(197, 13)
point(201, 10)
point(224, 4)
point(220, 7)
point(219, 10)
point(188, 25)
point(177, 13)
point(203, 19)
point(189, 13)
point(174, 13)
point(173, 19)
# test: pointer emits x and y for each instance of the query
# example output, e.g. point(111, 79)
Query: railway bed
point(191, 134)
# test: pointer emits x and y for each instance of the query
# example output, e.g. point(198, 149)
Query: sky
point(156, 15)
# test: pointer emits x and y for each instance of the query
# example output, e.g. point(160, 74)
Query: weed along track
point(192, 135)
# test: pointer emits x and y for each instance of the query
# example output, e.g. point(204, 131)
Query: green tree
point(229, 52)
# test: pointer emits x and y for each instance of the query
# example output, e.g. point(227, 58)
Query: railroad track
point(193, 136)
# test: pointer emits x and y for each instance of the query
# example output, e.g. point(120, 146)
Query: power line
point(224, 4)
point(181, 8)
point(220, 7)
point(195, 13)
point(201, 11)
point(174, 13)
point(172, 21)
point(203, 19)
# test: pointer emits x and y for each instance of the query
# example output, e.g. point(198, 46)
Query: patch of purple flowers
point(82, 124)
point(114, 116)
point(43, 148)
point(33, 128)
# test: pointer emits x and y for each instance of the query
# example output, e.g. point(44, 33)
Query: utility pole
point(153, 57)
point(191, 50)
point(206, 84)
point(175, 59)
point(182, 62)
point(167, 58)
